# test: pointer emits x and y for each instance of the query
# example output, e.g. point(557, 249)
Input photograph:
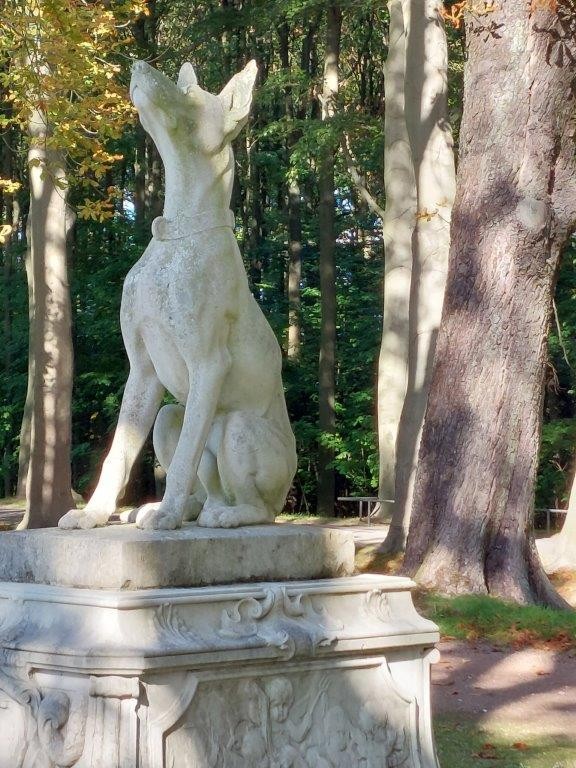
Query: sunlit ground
point(462, 744)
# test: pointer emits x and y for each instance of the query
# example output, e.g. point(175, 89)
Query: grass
point(460, 743)
point(478, 617)
point(9, 502)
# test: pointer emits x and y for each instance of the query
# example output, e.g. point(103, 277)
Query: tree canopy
point(114, 183)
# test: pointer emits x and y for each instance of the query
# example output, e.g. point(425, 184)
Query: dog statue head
point(183, 113)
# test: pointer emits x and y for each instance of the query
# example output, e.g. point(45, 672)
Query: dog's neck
point(197, 182)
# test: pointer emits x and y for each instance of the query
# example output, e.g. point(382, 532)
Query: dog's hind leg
point(255, 473)
point(142, 396)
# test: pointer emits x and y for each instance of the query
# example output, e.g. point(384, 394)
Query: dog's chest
point(162, 283)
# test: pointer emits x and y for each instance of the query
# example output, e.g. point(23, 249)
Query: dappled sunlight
point(529, 692)
point(512, 669)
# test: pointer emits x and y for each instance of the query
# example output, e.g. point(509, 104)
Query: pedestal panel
point(322, 673)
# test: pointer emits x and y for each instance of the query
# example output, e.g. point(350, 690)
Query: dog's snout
point(140, 66)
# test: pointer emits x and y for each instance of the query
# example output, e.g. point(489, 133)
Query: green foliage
point(556, 467)
point(556, 454)
point(494, 621)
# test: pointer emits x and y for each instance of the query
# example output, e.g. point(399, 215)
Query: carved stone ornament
point(377, 603)
point(191, 327)
point(290, 623)
point(278, 721)
point(42, 730)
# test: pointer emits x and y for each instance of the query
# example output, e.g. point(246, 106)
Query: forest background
point(276, 200)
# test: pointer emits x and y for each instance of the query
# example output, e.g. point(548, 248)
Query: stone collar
point(185, 226)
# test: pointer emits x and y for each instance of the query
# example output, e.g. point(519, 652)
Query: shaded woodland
point(309, 200)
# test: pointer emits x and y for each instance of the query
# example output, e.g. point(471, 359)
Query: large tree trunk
point(398, 225)
point(327, 238)
point(48, 487)
point(515, 207)
point(426, 92)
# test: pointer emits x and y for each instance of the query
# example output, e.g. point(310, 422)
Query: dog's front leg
point(206, 380)
point(142, 397)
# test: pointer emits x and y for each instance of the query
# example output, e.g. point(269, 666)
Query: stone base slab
point(327, 673)
point(125, 557)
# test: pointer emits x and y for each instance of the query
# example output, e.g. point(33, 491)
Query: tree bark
point(293, 208)
point(26, 426)
point(48, 486)
point(398, 225)
point(327, 237)
point(9, 219)
point(515, 208)
point(294, 270)
point(426, 93)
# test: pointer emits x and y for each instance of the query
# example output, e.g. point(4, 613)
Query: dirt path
point(530, 689)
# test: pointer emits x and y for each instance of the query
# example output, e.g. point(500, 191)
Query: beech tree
point(420, 184)
point(398, 222)
point(515, 208)
point(326, 243)
point(66, 98)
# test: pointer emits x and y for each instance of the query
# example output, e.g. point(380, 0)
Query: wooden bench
point(366, 505)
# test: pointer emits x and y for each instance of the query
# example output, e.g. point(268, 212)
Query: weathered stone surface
point(329, 673)
point(192, 327)
point(124, 557)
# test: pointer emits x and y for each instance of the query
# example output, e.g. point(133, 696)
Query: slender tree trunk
point(48, 487)
point(154, 198)
point(26, 426)
point(398, 226)
point(7, 361)
point(327, 237)
point(140, 185)
point(426, 92)
point(515, 207)
point(294, 270)
point(293, 207)
point(9, 215)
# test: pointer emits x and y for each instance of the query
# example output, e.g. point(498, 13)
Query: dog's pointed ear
point(236, 98)
point(186, 77)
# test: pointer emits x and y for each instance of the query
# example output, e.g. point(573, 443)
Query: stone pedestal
point(327, 671)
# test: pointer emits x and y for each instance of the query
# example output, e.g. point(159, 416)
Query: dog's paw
point(153, 517)
point(82, 518)
point(128, 516)
point(70, 519)
point(228, 518)
point(210, 515)
point(215, 516)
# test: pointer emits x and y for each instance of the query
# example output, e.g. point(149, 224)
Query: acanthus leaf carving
point(52, 738)
point(173, 627)
point(13, 617)
point(377, 603)
point(290, 623)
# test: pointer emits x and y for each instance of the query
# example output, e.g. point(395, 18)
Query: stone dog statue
point(191, 326)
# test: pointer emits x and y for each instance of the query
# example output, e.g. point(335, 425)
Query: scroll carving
point(290, 623)
point(50, 735)
point(377, 603)
point(171, 624)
